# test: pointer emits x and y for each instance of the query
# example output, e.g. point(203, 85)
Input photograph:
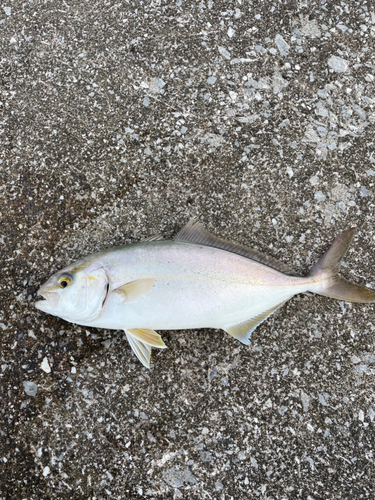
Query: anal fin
point(243, 331)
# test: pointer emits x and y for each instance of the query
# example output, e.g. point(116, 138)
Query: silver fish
point(195, 280)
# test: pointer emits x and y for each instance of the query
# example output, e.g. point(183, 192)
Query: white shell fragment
point(282, 45)
point(30, 388)
point(45, 365)
point(338, 64)
point(224, 52)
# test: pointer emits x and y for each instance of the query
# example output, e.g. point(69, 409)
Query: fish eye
point(64, 280)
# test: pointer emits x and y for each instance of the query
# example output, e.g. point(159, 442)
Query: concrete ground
point(122, 119)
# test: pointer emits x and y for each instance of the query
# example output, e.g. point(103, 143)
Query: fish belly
point(175, 306)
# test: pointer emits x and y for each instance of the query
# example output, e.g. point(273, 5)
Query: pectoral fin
point(243, 331)
point(135, 289)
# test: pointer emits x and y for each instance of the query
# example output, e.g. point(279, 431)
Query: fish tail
point(325, 273)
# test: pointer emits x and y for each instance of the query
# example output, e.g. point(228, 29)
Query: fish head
point(77, 293)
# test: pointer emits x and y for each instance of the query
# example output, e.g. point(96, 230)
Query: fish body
point(194, 281)
point(195, 287)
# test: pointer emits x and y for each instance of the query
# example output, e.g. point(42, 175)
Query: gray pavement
point(122, 119)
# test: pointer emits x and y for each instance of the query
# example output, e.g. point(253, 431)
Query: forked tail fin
point(326, 272)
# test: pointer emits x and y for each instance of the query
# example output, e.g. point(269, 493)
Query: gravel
point(120, 120)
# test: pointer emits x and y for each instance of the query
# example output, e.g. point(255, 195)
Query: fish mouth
point(50, 300)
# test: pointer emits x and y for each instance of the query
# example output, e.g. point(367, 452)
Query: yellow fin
point(134, 289)
point(141, 350)
point(243, 331)
point(146, 336)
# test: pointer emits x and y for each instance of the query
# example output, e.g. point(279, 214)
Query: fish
point(195, 280)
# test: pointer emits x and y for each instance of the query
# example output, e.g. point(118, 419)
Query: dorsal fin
point(194, 232)
point(155, 237)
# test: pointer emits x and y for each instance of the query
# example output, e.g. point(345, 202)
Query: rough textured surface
point(123, 119)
